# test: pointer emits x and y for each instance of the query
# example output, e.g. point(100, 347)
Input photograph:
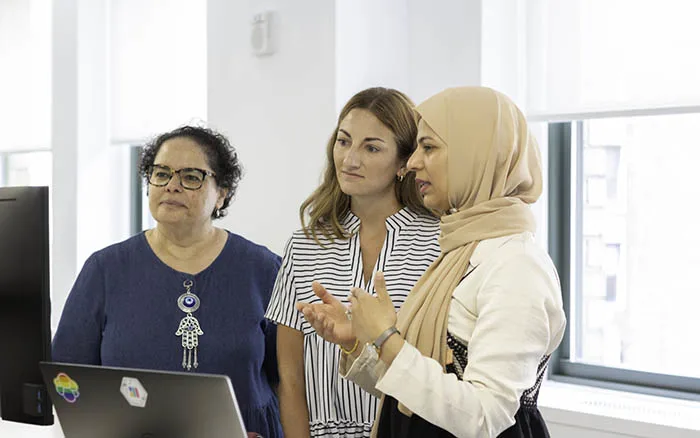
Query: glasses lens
point(191, 178)
point(160, 175)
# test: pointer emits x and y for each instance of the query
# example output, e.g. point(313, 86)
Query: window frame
point(135, 191)
point(565, 191)
point(4, 168)
point(5, 156)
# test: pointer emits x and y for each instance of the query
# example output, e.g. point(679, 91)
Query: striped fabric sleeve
point(281, 309)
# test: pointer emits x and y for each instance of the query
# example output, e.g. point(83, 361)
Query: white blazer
point(508, 311)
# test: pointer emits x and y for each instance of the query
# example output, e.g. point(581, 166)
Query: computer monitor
point(25, 306)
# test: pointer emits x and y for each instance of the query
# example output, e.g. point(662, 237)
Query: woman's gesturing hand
point(330, 318)
point(372, 315)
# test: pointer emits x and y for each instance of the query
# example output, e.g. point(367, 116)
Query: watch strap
point(384, 336)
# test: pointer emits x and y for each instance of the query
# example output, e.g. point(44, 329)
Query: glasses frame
point(205, 174)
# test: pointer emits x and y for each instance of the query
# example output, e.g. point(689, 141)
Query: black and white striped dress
point(337, 407)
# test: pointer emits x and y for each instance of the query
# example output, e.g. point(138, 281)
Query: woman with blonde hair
point(366, 216)
point(467, 352)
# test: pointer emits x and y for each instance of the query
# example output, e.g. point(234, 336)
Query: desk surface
point(9, 429)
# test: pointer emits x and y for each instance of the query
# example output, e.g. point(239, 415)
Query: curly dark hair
point(221, 157)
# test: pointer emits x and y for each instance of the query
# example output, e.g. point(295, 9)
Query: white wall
point(372, 45)
point(64, 144)
point(446, 45)
point(415, 46)
point(157, 55)
point(278, 111)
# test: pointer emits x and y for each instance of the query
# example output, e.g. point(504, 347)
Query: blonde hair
point(328, 205)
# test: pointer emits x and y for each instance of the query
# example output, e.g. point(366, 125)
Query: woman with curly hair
point(185, 295)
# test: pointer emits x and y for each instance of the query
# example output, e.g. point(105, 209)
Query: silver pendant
point(189, 329)
point(188, 302)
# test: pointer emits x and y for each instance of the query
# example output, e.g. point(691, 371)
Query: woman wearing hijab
point(467, 353)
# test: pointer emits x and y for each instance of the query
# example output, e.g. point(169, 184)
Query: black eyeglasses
point(191, 178)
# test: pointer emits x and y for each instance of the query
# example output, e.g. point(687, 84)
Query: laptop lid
point(94, 401)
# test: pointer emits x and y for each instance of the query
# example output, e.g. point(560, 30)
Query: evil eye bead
point(188, 302)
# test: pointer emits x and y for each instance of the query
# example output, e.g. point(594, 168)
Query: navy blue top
point(123, 312)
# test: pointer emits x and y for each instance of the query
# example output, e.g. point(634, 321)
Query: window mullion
point(559, 230)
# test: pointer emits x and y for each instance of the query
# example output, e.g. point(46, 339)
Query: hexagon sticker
point(134, 392)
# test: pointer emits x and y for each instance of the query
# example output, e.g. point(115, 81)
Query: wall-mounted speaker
point(260, 34)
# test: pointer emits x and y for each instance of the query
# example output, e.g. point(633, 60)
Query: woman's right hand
point(328, 318)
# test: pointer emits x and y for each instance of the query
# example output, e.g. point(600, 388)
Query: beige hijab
point(494, 171)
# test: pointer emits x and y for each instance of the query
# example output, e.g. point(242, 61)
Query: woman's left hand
point(371, 316)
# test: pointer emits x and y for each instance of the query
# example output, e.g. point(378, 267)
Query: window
point(623, 232)
point(26, 168)
point(25, 76)
point(588, 56)
point(615, 84)
point(141, 218)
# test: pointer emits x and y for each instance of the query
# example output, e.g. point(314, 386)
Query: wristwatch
point(377, 344)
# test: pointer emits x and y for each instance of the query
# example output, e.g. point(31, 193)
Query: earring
point(400, 178)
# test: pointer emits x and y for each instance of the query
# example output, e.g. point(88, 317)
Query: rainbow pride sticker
point(66, 387)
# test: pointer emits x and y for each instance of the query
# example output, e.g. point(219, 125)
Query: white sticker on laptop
point(134, 392)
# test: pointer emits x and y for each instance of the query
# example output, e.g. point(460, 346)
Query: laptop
point(94, 401)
